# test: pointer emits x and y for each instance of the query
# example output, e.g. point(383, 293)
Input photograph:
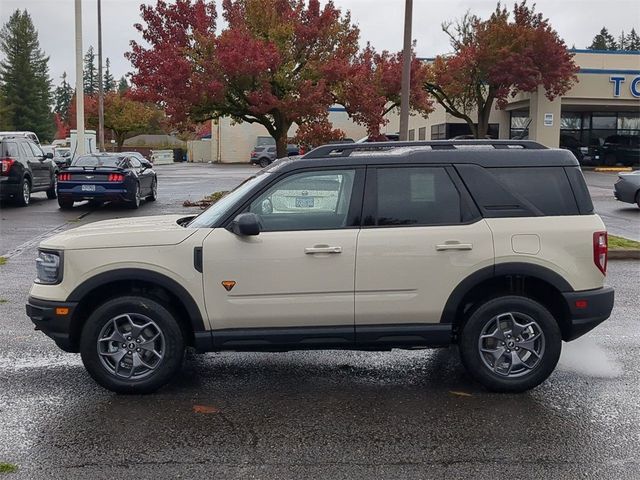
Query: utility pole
point(406, 72)
point(80, 147)
point(100, 84)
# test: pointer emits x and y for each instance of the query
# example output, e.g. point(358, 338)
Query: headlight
point(49, 267)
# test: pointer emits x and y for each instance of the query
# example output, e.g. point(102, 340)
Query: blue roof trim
point(609, 72)
point(611, 52)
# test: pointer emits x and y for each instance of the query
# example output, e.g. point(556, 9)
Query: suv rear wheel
point(23, 198)
point(132, 345)
point(264, 162)
point(510, 344)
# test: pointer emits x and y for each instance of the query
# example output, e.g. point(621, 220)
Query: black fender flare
point(195, 316)
point(500, 270)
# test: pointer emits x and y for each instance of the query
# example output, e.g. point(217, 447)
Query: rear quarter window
point(546, 188)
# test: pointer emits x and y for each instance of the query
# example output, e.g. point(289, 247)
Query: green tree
point(108, 82)
point(62, 96)
point(25, 85)
point(603, 41)
point(632, 41)
point(90, 73)
point(5, 114)
point(123, 85)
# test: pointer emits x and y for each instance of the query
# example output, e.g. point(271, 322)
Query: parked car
point(620, 149)
point(627, 188)
point(61, 155)
point(25, 169)
point(264, 155)
point(107, 177)
point(30, 135)
point(496, 249)
point(384, 137)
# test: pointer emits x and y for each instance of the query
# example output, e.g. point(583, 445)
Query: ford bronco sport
point(491, 245)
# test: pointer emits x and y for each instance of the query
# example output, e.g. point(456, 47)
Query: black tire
point(154, 191)
point(264, 162)
point(134, 203)
point(476, 363)
point(172, 339)
point(52, 193)
point(65, 204)
point(23, 198)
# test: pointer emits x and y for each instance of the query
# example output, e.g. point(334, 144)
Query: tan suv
point(492, 245)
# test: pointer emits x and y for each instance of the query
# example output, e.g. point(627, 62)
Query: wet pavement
point(330, 414)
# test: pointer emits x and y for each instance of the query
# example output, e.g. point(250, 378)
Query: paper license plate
point(304, 202)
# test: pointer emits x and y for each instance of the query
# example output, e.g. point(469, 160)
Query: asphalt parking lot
point(331, 414)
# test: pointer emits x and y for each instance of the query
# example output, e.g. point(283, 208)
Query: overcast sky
point(380, 22)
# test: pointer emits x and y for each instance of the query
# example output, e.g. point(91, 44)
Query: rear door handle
point(322, 249)
point(454, 246)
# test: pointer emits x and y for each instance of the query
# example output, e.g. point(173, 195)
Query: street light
point(406, 72)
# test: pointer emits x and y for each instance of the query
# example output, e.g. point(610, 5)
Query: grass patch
point(3, 260)
point(620, 243)
point(8, 467)
point(206, 201)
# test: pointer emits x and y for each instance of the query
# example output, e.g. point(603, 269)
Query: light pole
point(100, 86)
point(406, 72)
point(80, 147)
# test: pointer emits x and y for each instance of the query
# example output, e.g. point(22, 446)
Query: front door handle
point(322, 249)
point(454, 246)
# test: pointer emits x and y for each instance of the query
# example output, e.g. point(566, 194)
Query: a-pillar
point(545, 119)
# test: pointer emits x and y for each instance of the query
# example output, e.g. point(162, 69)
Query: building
point(604, 102)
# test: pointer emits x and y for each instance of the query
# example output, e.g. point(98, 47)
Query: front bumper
point(588, 309)
point(53, 320)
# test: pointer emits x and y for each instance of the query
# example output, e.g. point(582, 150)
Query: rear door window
point(37, 151)
point(415, 196)
point(11, 150)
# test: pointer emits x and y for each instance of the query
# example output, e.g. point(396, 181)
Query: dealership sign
point(634, 86)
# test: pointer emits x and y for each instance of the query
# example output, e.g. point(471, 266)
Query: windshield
point(212, 214)
point(98, 161)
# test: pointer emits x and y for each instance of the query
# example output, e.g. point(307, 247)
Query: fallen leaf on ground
point(205, 409)
point(460, 394)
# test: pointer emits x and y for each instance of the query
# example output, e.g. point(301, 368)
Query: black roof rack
point(345, 149)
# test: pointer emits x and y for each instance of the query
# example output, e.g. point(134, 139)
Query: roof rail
point(345, 149)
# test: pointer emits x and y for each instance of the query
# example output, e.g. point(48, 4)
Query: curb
point(613, 169)
point(624, 254)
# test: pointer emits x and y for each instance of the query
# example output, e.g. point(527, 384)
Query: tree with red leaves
point(498, 58)
point(269, 66)
point(372, 88)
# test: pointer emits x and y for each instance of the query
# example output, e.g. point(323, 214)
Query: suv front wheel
point(132, 345)
point(510, 344)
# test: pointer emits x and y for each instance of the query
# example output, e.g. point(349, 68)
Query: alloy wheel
point(511, 344)
point(131, 346)
point(26, 192)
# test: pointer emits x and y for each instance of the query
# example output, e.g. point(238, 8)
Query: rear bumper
point(588, 309)
point(101, 193)
point(8, 188)
point(53, 323)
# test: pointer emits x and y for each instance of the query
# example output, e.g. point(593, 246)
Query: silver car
point(627, 188)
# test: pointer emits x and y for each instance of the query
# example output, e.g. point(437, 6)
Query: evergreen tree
point(123, 85)
point(603, 41)
point(622, 41)
point(63, 96)
point(5, 114)
point(25, 85)
point(632, 41)
point(108, 82)
point(90, 73)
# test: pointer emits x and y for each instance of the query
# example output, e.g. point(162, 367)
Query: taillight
point(7, 163)
point(64, 177)
point(600, 251)
point(116, 177)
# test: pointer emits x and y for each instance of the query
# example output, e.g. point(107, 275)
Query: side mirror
point(246, 224)
point(48, 155)
point(146, 165)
